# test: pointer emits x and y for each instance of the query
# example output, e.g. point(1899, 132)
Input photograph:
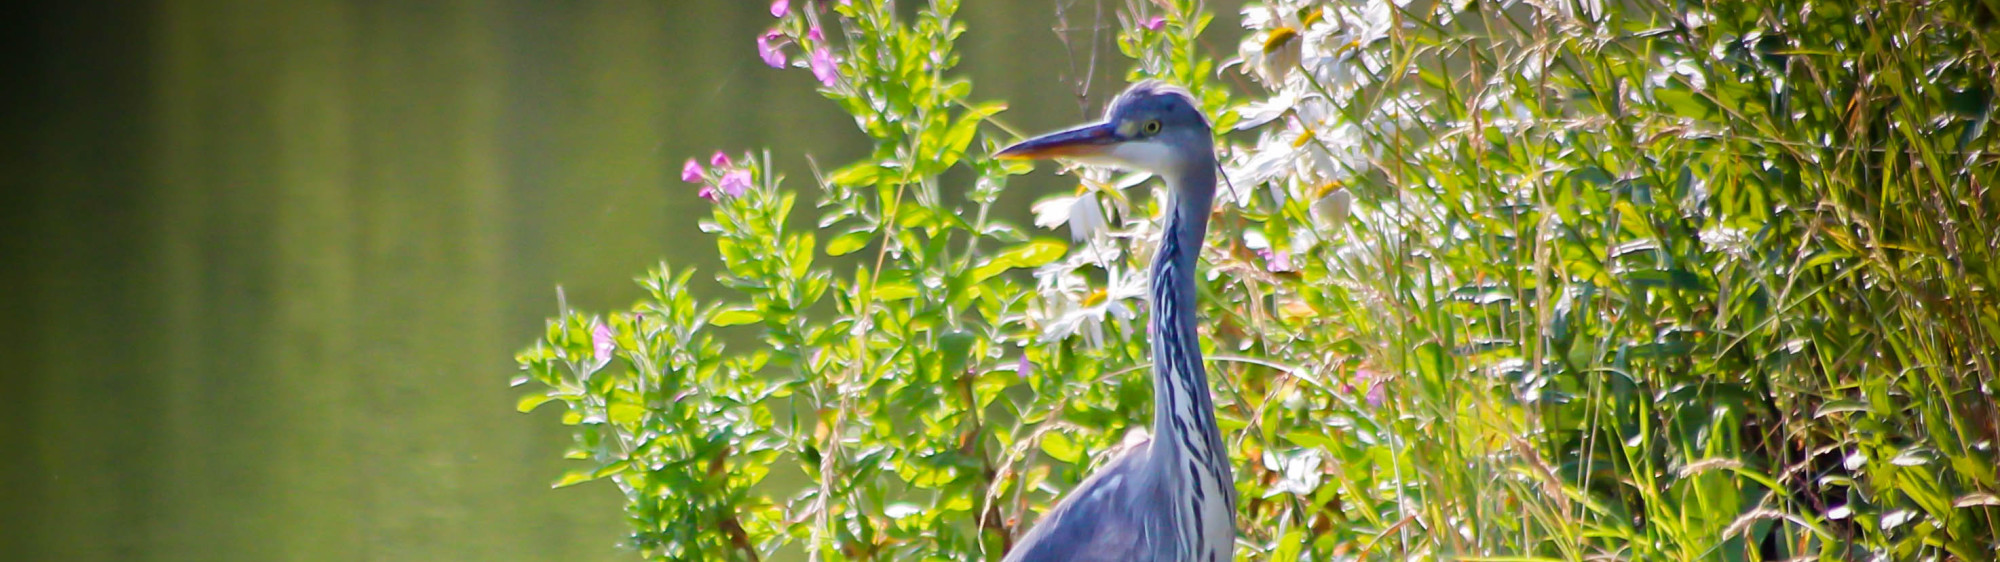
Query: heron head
point(1152, 127)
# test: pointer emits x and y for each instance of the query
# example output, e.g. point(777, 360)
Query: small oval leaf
point(530, 402)
point(574, 477)
point(1061, 447)
point(848, 243)
point(736, 317)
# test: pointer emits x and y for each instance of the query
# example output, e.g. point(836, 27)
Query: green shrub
point(1559, 280)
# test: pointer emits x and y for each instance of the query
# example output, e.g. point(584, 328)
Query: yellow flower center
point(1305, 136)
point(1278, 38)
point(1310, 16)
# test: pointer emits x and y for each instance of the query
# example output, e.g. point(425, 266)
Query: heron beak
point(1081, 142)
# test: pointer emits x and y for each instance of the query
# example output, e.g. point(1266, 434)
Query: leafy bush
point(1532, 280)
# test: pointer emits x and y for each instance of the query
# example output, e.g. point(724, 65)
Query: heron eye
point(1152, 127)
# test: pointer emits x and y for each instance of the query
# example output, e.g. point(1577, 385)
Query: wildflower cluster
point(1544, 280)
point(804, 31)
point(1573, 266)
point(721, 178)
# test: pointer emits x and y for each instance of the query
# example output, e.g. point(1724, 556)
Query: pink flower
point(814, 34)
point(1276, 261)
point(1377, 392)
point(823, 67)
point(734, 183)
point(691, 171)
point(719, 160)
point(1024, 368)
point(1154, 24)
point(707, 192)
point(602, 341)
point(780, 8)
point(769, 48)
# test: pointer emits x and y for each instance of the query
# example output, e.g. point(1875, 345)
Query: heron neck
point(1184, 413)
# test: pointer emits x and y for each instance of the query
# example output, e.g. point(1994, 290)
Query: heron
point(1170, 498)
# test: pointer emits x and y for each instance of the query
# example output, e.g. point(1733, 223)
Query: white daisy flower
point(1080, 308)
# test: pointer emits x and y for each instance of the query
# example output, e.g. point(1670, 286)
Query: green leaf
point(956, 347)
point(736, 317)
point(611, 469)
point(530, 402)
point(1061, 448)
point(895, 291)
point(1311, 439)
point(802, 254)
point(960, 134)
point(1840, 407)
point(914, 216)
point(847, 243)
point(574, 477)
point(1290, 544)
point(857, 174)
point(625, 413)
point(1035, 253)
point(1686, 104)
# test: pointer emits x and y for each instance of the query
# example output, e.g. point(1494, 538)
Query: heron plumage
point(1174, 499)
point(1100, 520)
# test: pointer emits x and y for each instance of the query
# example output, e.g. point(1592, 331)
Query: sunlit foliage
point(1543, 280)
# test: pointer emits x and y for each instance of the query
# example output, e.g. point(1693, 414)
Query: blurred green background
point(266, 264)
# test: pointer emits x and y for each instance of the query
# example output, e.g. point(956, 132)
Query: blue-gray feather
point(1173, 498)
point(1106, 518)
